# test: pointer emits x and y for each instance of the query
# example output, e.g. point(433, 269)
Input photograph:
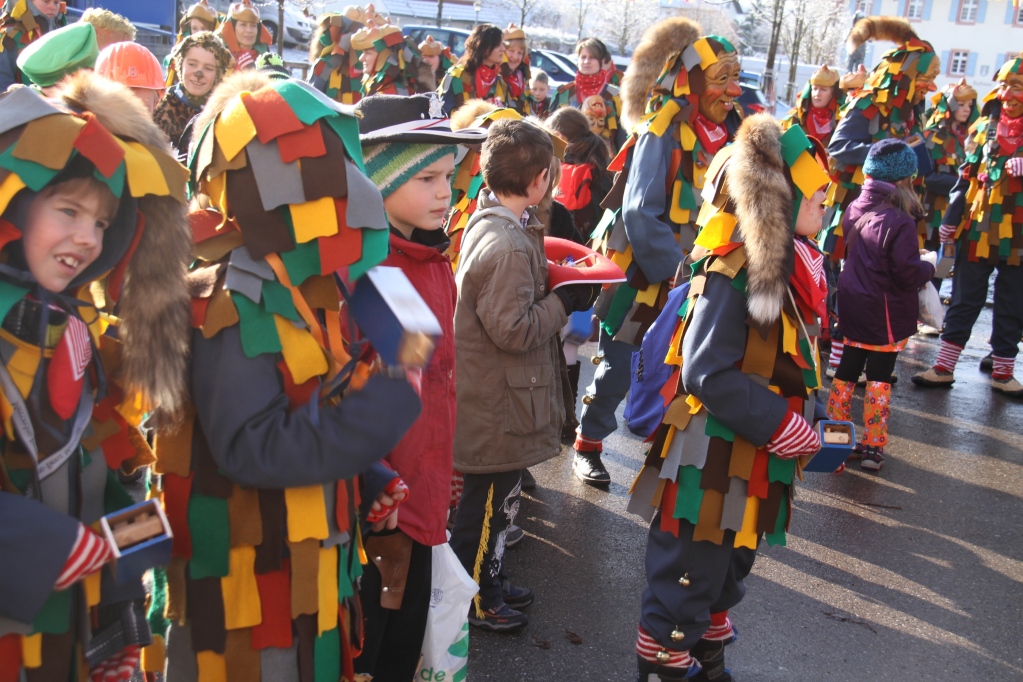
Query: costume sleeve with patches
point(852, 139)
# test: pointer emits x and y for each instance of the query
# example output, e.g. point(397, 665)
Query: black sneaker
point(502, 618)
point(516, 596)
point(513, 536)
point(873, 459)
point(987, 363)
point(588, 467)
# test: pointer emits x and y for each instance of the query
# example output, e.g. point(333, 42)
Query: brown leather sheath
point(391, 555)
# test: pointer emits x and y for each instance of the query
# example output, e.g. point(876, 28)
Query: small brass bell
point(597, 359)
point(677, 635)
point(663, 656)
point(684, 580)
point(587, 399)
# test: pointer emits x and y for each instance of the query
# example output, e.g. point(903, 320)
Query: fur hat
point(661, 41)
point(208, 41)
point(890, 160)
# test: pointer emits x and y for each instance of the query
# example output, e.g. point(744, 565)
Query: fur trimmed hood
point(153, 305)
point(758, 183)
point(659, 42)
point(892, 29)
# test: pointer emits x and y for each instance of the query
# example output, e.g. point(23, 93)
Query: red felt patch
point(275, 603)
point(298, 394)
point(304, 143)
point(758, 476)
point(176, 491)
point(95, 143)
point(10, 658)
point(341, 508)
point(618, 162)
point(669, 524)
point(116, 278)
point(117, 448)
point(341, 249)
point(199, 308)
point(206, 225)
point(271, 114)
point(8, 233)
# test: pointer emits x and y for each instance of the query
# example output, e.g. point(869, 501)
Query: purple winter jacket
point(878, 301)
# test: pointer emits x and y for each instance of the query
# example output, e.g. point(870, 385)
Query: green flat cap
point(47, 60)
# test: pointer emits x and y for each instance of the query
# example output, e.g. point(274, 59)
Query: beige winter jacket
point(510, 407)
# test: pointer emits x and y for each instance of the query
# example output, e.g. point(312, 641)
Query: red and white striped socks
point(647, 648)
point(1002, 368)
point(948, 357)
point(720, 629)
point(88, 555)
point(837, 347)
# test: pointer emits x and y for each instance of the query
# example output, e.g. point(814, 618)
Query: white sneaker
point(928, 330)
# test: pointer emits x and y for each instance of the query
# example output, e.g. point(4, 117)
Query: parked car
point(749, 78)
point(752, 99)
point(452, 37)
point(559, 67)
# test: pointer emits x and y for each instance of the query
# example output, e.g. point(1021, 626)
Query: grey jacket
point(510, 407)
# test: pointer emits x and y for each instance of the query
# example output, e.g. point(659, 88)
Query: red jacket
point(423, 457)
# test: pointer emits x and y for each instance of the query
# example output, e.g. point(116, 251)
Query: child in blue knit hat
point(878, 290)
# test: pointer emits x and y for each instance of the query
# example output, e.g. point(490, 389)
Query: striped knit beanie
point(391, 165)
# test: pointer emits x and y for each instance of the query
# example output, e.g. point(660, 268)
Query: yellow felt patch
point(808, 175)
point(648, 296)
point(747, 535)
point(32, 650)
point(694, 403)
point(154, 656)
point(314, 219)
point(327, 579)
point(11, 186)
point(687, 137)
point(303, 356)
point(677, 215)
point(717, 231)
point(674, 356)
point(144, 173)
point(706, 52)
point(662, 119)
point(242, 607)
point(307, 513)
point(23, 366)
point(91, 585)
point(622, 258)
point(983, 249)
point(212, 666)
point(234, 129)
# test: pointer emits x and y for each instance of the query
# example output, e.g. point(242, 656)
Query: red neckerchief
point(960, 130)
point(713, 136)
point(1010, 134)
point(486, 76)
point(516, 83)
point(808, 280)
point(820, 121)
point(588, 86)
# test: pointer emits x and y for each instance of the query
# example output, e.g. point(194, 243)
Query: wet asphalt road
point(915, 573)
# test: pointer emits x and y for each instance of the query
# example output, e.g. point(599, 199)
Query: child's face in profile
point(423, 201)
point(540, 90)
point(63, 235)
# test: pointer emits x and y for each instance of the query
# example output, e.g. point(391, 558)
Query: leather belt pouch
point(391, 555)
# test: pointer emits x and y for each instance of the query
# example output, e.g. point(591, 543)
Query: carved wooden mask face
point(721, 87)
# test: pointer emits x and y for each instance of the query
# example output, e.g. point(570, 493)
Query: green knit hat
point(58, 53)
point(392, 164)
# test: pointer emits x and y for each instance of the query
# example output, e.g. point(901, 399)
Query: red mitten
point(946, 233)
point(87, 556)
point(1014, 166)
point(119, 667)
point(793, 438)
point(245, 59)
point(381, 510)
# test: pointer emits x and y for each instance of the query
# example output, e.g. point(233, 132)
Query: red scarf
point(486, 76)
point(820, 122)
point(808, 280)
point(713, 136)
point(588, 86)
point(516, 83)
point(1010, 134)
point(960, 130)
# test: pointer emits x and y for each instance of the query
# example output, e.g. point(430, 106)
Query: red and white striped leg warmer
point(720, 629)
point(1002, 368)
point(647, 647)
point(457, 484)
point(584, 444)
point(837, 347)
point(87, 556)
point(948, 357)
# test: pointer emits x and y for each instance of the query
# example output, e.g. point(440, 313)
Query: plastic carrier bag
point(446, 645)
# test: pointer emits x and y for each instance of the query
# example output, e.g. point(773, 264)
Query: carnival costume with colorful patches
point(445, 60)
point(517, 81)
point(985, 219)
point(200, 11)
point(20, 24)
point(650, 226)
point(718, 477)
point(462, 83)
point(81, 368)
point(244, 58)
point(890, 104)
point(177, 106)
point(260, 483)
point(818, 122)
point(604, 84)
point(336, 69)
point(946, 141)
point(397, 61)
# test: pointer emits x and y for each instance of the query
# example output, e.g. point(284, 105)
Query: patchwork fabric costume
point(606, 84)
point(747, 365)
point(19, 26)
point(818, 122)
point(397, 64)
point(336, 69)
point(81, 368)
point(260, 482)
point(518, 80)
point(460, 85)
point(946, 141)
point(890, 104)
point(244, 58)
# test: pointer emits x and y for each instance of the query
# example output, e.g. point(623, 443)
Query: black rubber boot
point(711, 656)
point(663, 672)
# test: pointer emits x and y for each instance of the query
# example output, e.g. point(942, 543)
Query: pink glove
point(244, 60)
point(387, 502)
point(87, 556)
point(119, 667)
point(1014, 166)
point(946, 233)
point(793, 438)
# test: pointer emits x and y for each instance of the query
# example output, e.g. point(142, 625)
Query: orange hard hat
point(131, 64)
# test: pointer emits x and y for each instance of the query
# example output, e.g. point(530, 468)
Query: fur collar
point(758, 183)
point(659, 42)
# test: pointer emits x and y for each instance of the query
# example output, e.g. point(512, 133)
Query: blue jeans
point(610, 385)
point(969, 292)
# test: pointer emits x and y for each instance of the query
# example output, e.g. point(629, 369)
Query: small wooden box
point(946, 258)
point(140, 537)
point(395, 318)
point(837, 442)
